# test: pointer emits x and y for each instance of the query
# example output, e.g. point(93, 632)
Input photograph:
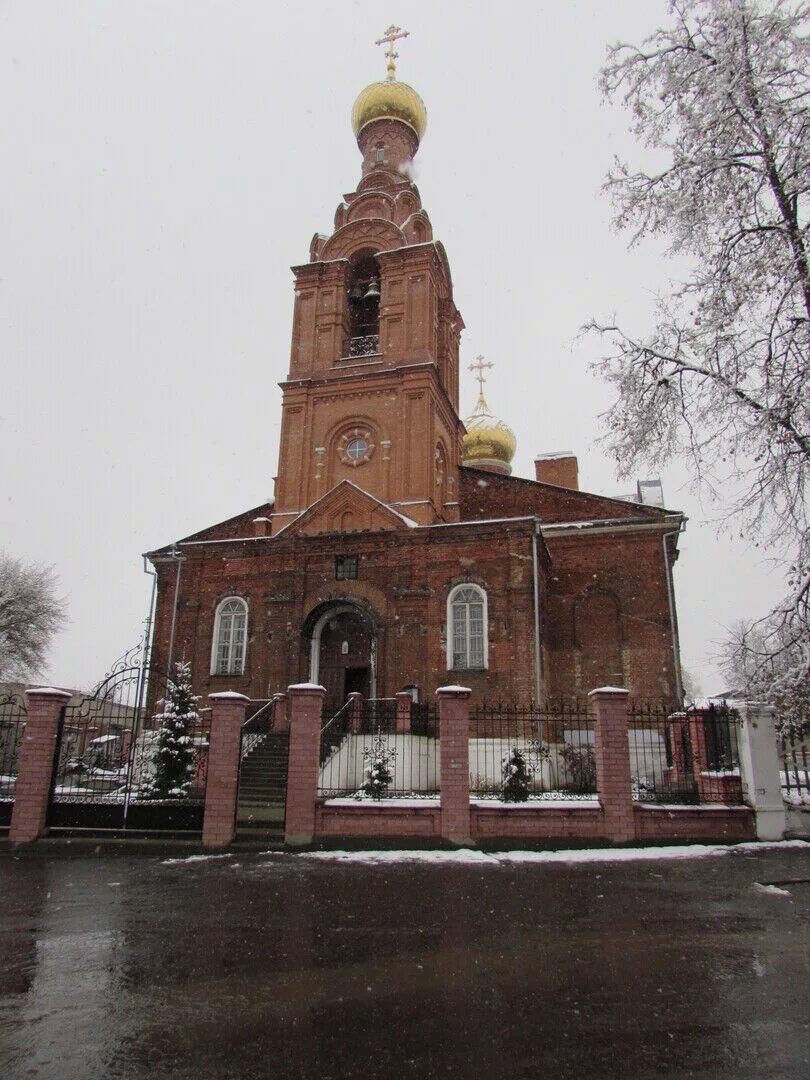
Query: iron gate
point(13, 715)
point(104, 760)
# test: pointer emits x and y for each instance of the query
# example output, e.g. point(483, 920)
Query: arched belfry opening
point(342, 641)
point(363, 305)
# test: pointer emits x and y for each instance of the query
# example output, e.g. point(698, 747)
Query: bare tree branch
point(722, 379)
point(30, 614)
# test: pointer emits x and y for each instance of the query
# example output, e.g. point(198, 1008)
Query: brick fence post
point(404, 702)
point(228, 711)
point(454, 741)
point(35, 769)
point(281, 722)
point(305, 701)
point(760, 769)
point(609, 708)
point(700, 756)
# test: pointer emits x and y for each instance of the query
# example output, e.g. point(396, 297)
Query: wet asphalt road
point(287, 966)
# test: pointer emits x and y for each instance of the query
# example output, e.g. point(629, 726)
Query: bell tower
point(372, 391)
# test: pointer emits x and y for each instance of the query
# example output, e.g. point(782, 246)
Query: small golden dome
point(389, 100)
point(489, 441)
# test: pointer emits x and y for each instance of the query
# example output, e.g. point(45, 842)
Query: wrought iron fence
point(795, 763)
point(661, 760)
point(720, 727)
point(13, 715)
point(106, 773)
point(520, 753)
point(364, 755)
point(684, 758)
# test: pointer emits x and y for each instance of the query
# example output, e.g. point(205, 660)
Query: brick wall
point(404, 579)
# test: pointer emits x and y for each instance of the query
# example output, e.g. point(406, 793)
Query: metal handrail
point(340, 711)
point(268, 704)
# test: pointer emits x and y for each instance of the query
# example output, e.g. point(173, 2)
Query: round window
point(357, 449)
point(356, 446)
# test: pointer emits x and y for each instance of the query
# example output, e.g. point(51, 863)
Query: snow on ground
point(506, 858)
point(462, 855)
point(770, 890)
point(582, 855)
point(195, 859)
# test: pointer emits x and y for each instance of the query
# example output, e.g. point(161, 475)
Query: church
point(399, 551)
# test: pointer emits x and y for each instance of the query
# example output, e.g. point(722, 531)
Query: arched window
point(230, 635)
point(364, 306)
point(467, 628)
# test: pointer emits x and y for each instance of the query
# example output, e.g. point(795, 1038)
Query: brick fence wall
point(612, 818)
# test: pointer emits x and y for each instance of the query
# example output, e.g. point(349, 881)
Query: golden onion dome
point(389, 100)
point(489, 442)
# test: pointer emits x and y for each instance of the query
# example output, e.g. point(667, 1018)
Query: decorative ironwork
point(104, 759)
point(13, 715)
point(367, 345)
point(134, 658)
point(366, 739)
point(552, 750)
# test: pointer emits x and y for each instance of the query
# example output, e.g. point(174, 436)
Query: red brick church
point(399, 552)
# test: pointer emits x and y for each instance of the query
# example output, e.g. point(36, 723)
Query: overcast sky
point(165, 163)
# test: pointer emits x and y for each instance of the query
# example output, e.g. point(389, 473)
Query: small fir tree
point(377, 772)
point(173, 757)
point(516, 777)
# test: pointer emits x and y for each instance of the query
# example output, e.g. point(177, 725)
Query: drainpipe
point(179, 559)
point(146, 655)
point(673, 626)
point(536, 585)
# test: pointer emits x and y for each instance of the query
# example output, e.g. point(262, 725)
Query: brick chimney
point(559, 468)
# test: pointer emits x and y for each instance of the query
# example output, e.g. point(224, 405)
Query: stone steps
point(263, 787)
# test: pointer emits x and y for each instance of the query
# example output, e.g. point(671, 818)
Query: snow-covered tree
point(762, 672)
point(173, 757)
point(720, 100)
point(377, 773)
point(516, 777)
point(30, 614)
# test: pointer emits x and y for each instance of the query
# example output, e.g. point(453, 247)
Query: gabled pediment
point(347, 508)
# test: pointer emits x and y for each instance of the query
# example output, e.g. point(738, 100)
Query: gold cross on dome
point(392, 34)
point(480, 366)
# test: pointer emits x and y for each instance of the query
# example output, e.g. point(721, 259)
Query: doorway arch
point(343, 650)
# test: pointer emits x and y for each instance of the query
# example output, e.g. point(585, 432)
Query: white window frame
point(232, 669)
point(451, 628)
